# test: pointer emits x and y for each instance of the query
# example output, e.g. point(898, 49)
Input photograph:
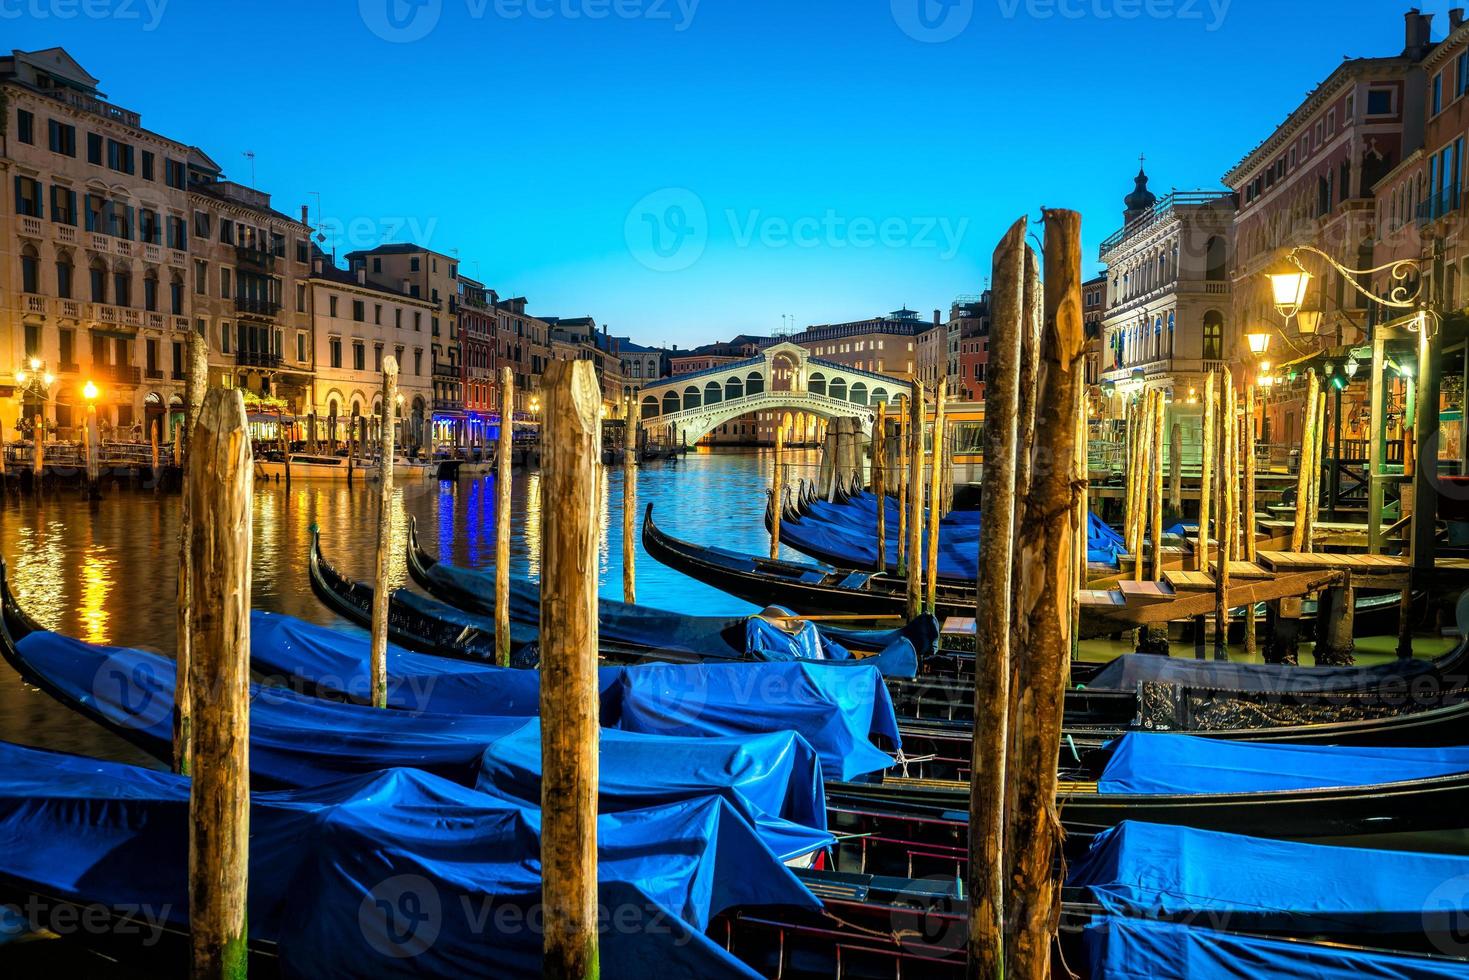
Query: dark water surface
point(107, 572)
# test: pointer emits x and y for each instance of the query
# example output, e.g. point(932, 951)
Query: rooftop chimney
point(1456, 18)
point(937, 318)
point(1417, 29)
point(362, 275)
point(305, 213)
point(316, 265)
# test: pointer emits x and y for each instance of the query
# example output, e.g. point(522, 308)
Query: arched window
point(838, 388)
point(650, 406)
point(734, 388)
point(30, 269)
point(754, 383)
point(1216, 259)
point(176, 294)
point(670, 402)
point(1213, 336)
point(816, 384)
point(122, 285)
point(691, 397)
point(713, 393)
point(150, 290)
point(879, 395)
point(859, 393)
point(64, 272)
point(98, 274)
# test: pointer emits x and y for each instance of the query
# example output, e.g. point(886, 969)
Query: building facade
point(480, 379)
point(1167, 318)
point(882, 345)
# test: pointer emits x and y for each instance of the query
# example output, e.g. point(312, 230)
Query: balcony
point(181, 324)
point(156, 321)
point(35, 304)
point(122, 374)
point(66, 233)
point(254, 306)
point(255, 358)
point(96, 106)
point(65, 368)
point(446, 371)
point(28, 226)
point(152, 253)
point(153, 374)
point(1438, 205)
point(177, 257)
point(255, 255)
point(448, 405)
point(71, 308)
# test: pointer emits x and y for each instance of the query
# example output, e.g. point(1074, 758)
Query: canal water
point(106, 572)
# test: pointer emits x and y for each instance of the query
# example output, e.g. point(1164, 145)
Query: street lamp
point(89, 392)
point(1289, 281)
point(1259, 342)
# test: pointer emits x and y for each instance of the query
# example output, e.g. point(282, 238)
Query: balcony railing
point(66, 368)
point(123, 374)
point(255, 255)
point(29, 226)
point(35, 304)
point(448, 405)
point(1438, 205)
point(255, 306)
point(66, 233)
point(255, 358)
point(71, 308)
point(153, 373)
point(446, 371)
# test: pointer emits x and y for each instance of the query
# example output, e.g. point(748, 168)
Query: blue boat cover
point(1136, 949)
point(837, 710)
point(389, 874)
point(1129, 670)
point(297, 740)
point(1153, 763)
point(1149, 871)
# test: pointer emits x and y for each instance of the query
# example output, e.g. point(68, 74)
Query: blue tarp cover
point(389, 874)
point(837, 710)
point(1127, 671)
point(1136, 949)
point(1151, 871)
point(1154, 763)
point(297, 740)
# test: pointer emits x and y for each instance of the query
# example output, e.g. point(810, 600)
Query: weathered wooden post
point(382, 596)
point(1313, 506)
point(219, 490)
point(569, 690)
point(1146, 464)
point(902, 476)
point(4, 480)
point(503, 447)
point(1206, 481)
point(1303, 469)
point(777, 492)
point(1159, 421)
point(153, 425)
point(92, 446)
point(1132, 427)
point(196, 382)
point(38, 453)
point(987, 882)
point(630, 498)
point(178, 445)
point(935, 496)
point(915, 503)
point(1175, 470)
point(1046, 599)
point(879, 482)
point(1227, 426)
point(1249, 506)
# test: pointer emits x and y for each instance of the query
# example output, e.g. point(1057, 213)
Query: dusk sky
point(685, 170)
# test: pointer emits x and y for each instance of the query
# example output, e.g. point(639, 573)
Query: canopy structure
point(389, 874)
point(1142, 870)
point(1134, 949)
point(1154, 763)
point(774, 779)
point(838, 710)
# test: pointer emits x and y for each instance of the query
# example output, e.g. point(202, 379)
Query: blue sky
point(685, 170)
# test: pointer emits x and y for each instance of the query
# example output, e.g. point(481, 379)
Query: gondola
point(821, 589)
point(637, 626)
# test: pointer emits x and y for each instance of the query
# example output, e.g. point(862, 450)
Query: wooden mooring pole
point(1206, 480)
point(153, 426)
point(1046, 598)
point(503, 447)
point(1160, 420)
point(777, 491)
point(1303, 468)
point(630, 499)
point(382, 596)
point(935, 496)
point(1248, 515)
point(879, 482)
point(1175, 470)
point(987, 882)
point(38, 453)
point(1228, 480)
point(219, 490)
point(196, 382)
point(902, 477)
point(914, 582)
point(569, 689)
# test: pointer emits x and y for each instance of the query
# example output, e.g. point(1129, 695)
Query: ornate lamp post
point(32, 382)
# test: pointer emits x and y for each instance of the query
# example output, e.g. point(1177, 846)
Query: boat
point(387, 874)
point(315, 466)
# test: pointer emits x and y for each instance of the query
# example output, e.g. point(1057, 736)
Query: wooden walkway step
point(1189, 581)
point(1142, 593)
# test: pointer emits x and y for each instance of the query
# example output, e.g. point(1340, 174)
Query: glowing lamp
point(20, 377)
point(1288, 283)
point(35, 364)
point(48, 379)
point(1351, 367)
point(1259, 342)
point(89, 391)
point(1308, 322)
